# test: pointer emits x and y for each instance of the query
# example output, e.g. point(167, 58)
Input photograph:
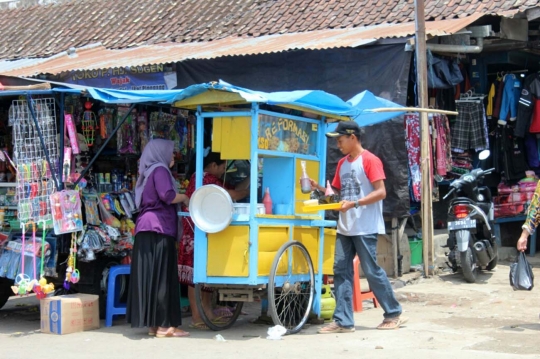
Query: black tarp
point(345, 72)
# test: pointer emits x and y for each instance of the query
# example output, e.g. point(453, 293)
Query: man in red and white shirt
point(359, 179)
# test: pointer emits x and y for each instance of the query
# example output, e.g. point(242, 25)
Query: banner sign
point(286, 135)
point(149, 77)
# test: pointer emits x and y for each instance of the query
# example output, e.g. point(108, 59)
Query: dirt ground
point(448, 318)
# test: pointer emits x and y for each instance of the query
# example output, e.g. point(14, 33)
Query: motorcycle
point(471, 238)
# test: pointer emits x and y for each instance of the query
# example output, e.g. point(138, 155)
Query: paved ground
point(448, 318)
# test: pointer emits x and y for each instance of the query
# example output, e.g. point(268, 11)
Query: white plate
point(211, 208)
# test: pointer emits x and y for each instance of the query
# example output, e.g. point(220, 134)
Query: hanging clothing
point(443, 150)
point(531, 146)
point(463, 86)
point(491, 101)
point(529, 93)
point(510, 98)
point(469, 130)
point(499, 89)
point(513, 156)
point(412, 141)
point(535, 118)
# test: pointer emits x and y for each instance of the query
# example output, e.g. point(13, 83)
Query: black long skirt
point(153, 297)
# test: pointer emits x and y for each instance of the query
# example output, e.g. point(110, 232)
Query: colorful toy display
point(66, 211)
point(106, 120)
point(72, 132)
point(89, 124)
point(127, 134)
point(35, 181)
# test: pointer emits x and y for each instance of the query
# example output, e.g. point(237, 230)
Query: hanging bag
point(443, 73)
point(521, 275)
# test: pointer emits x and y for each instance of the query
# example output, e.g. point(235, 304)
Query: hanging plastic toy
point(23, 284)
point(66, 211)
point(42, 288)
point(72, 273)
point(89, 124)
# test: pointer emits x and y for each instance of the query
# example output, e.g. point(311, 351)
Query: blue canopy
point(138, 96)
point(309, 99)
point(365, 101)
point(358, 108)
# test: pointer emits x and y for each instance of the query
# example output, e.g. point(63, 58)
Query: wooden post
point(395, 244)
point(422, 86)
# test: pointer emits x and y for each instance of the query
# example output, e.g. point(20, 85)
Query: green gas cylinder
point(328, 303)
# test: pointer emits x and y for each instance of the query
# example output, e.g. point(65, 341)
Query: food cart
point(279, 256)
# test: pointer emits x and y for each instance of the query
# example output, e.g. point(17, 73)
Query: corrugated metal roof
point(40, 31)
point(102, 58)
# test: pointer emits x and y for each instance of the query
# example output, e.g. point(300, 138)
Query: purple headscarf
point(157, 153)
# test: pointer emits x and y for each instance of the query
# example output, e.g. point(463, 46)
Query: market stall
point(74, 149)
point(267, 247)
point(273, 249)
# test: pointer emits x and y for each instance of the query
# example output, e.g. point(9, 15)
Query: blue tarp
point(357, 107)
point(139, 96)
point(309, 99)
point(365, 101)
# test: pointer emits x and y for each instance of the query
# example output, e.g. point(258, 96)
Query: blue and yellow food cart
point(281, 256)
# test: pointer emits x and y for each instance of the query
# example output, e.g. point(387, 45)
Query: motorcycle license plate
point(462, 224)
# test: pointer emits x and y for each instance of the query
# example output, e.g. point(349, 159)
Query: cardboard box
point(69, 313)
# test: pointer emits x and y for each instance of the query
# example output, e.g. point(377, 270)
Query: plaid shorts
point(468, 131)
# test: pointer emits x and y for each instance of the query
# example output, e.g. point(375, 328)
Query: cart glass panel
point(287, 135)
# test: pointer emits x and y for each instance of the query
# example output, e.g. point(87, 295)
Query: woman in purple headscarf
point(154, 298)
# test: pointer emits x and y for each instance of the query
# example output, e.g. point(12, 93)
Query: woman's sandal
point(152, 331)
point(171, 333)
point(392, 323)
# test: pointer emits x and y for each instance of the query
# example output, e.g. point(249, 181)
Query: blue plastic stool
point(114, 307)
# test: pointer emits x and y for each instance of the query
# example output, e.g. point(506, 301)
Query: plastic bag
point(276, 332)
point(521, 275)
point(107, 217)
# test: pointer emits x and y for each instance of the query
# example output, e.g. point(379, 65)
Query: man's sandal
point(333, 328)
point(199, 326)
point(171, 333)
point(392, 323)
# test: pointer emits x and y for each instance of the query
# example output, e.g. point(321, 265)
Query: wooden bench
point(497, 229)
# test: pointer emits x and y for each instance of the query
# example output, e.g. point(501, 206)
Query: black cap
point(345, 128)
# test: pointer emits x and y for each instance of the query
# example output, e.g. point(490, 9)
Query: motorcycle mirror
point(483, 155)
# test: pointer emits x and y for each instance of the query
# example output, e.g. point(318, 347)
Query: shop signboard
point(148, 77)
point(287, 135)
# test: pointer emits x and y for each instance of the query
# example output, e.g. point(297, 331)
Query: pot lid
point(211, 208)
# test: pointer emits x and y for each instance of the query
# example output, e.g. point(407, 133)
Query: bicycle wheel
point(229, 310)
point(291, 287)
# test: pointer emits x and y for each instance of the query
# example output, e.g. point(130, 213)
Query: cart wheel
point(225, 321)
point(291, 287)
